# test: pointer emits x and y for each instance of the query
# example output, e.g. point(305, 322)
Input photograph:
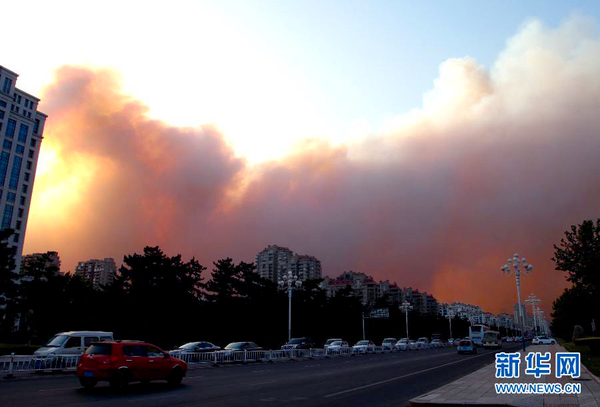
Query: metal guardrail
point(21, 363)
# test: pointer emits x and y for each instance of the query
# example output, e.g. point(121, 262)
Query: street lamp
point(290, 282)
point(406, 307)
point(515, 262)
point(450, 316)
point(533, 300)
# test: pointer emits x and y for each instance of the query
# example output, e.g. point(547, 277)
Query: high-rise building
point(21, 128)
point(305, 267)
point(98, 272)
point(51, 259)
point(274, 261)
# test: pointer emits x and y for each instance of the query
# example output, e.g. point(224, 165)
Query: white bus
point(476, 333)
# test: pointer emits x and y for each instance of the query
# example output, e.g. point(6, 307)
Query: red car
point(122, 362)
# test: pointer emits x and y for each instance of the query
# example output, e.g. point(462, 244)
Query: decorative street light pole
point(515, 262)
point(450, 316)
point(406, 307)
point(533, 300)
point(290, 282)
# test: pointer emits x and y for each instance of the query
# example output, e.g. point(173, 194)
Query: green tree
point(7, 283)
point(579, 256)
point(157, 288)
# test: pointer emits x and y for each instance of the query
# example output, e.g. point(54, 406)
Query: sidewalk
point(478, 389)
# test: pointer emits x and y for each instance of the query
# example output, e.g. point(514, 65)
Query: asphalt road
point(364, 380)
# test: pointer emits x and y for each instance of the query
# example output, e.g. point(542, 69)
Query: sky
point(420, 143)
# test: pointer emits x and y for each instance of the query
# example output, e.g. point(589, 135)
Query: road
point(364, 380)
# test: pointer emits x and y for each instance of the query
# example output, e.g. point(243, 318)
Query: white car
point(330, 341)
point(364, 347)
point(412, 345)
point(337, 346)
point(423, 343)
point(389, 344)
point(436, 343)
point(402, 344)
point(543, 340)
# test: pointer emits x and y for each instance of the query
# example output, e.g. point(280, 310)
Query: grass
point(590, 361)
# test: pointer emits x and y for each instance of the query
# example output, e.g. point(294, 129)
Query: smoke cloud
point(495, 161)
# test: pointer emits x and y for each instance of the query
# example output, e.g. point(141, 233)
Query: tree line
point(168, 301)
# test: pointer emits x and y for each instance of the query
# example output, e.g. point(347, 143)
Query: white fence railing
point(20, 363)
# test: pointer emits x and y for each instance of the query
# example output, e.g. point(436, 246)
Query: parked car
point(388, 343)
point(67, 343)
point(120, 363)
point(509, 339)
point(194, 347)
point(337, 346)
point(330, 341)
point(298, 343)
point(467, 346)
point(543, 340)
point(423, 343)
point(364, 347)
point(239, 347)
point(402, 344)
point(451, 341)
point(412, 345)
point(436, 343)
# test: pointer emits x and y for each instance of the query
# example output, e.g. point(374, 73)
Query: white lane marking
point(261, 371)
point(318, 364)
point(61, 388)
point(366, 386)
point(193, 377)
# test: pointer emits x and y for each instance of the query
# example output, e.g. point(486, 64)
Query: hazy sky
point(420, 142)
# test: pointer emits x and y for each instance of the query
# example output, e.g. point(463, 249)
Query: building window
point(7, 145)
point(26, 177)
point(18, 225)
point(10, 128)
point(4, 157)
point(23, 200)
point(16, 238)
point(7, 85)
point(20, 149)
point(31, 153)
point(33, 142)
point(24, 188)
point(7, 217)
point(20, 213)
point(14, 174)
point(11, 197)
point(1, 114)
point(2, 103)
point(36, 126)
point(23, 130)
point(29, 164)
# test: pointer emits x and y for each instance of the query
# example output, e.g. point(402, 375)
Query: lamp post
point(515, 262)
point(533, 300)
point(406, 307)
point(290, 282)
point(450, 316)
